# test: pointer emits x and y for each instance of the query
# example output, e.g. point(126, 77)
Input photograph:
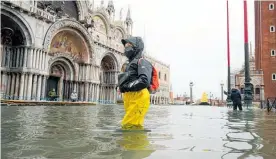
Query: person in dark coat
point(236, 98)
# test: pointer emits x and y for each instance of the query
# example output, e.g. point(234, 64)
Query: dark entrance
point(52, 83)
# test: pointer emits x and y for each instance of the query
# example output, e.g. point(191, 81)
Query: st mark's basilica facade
point(65, 46)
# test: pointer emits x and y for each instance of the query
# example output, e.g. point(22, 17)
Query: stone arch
point(82, 9)
point(22, 23)
point(65, 64)
point(110, 58)
point(68, 23)
point(62, 74)
point(123, 31)
point(105, 20)
point(108, 78)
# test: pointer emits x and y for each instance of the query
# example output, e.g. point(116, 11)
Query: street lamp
point(221, 84)
point(247, 85)
point(228, 58)
point(191, 92)
point(211, 95)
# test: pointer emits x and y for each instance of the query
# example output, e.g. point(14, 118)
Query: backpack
point(154, 84)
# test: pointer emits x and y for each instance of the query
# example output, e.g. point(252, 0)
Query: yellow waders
point(136, 105)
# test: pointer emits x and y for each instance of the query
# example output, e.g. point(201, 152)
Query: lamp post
point(221, 85)
point(247, 85)
point(228, 57)
point(191, 92)
point(211, 95)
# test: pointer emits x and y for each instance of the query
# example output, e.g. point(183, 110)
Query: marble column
point(8, 85)
point(96, 92)
point(22, 84)
point(13, 85)
point(30, 57)
point(81, 91)
point(17, 85)
point(25, 57)
point(43, 89)
point(40, 59)
point(4, 84)
point(34, 93)
point(60, 89)
point(39, 87)
point(26, 79)
point(17, 55)
point(34, 59)
point(86, 91)
point(46, 62)
point(115, 95)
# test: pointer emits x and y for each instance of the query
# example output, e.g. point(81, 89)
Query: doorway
point(52, 83)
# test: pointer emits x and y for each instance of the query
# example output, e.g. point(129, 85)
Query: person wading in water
point(134, 83)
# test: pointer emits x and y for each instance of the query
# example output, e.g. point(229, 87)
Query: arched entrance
point(108, 79)
point(61, 79)
point(15, 37)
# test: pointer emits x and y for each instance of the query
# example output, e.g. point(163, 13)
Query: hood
point(138, 46)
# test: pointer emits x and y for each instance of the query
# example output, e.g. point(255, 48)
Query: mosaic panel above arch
point(69, 42)
point(99, 24)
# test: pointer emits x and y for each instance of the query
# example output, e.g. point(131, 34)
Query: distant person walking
point(74, 96)
point(236, 98)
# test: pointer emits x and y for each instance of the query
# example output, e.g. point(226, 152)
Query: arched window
point(165, 77)
point(257, 90)
point(159, 74)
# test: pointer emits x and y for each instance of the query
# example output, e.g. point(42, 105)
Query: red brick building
point(265, 44)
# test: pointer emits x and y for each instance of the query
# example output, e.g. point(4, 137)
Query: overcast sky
point(191, 37)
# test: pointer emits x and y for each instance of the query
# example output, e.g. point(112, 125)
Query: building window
point(242, 90)
point(257, 91)
point(273, 53)
point(159, 75)
point(165, 77)
point(271, 6)
point(274, 76)
point(272, 28)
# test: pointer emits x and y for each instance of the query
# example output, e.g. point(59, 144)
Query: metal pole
point(191, 92)
point(222, 93)
point(228, 57)
point(247, 84)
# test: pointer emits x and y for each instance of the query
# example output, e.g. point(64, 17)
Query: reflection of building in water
point(256, 79)
point(64, 45)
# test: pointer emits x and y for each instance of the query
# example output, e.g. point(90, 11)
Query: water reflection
point(176, 132)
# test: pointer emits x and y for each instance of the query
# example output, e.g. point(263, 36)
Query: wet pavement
point(177, 132)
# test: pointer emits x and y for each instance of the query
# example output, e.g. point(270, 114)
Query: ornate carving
point(6, 36)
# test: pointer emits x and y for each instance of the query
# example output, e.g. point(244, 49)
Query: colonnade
point(24, 76)
point(13, 57)
point(159, 100)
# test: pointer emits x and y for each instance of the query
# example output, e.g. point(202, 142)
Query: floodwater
point(177, 132)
